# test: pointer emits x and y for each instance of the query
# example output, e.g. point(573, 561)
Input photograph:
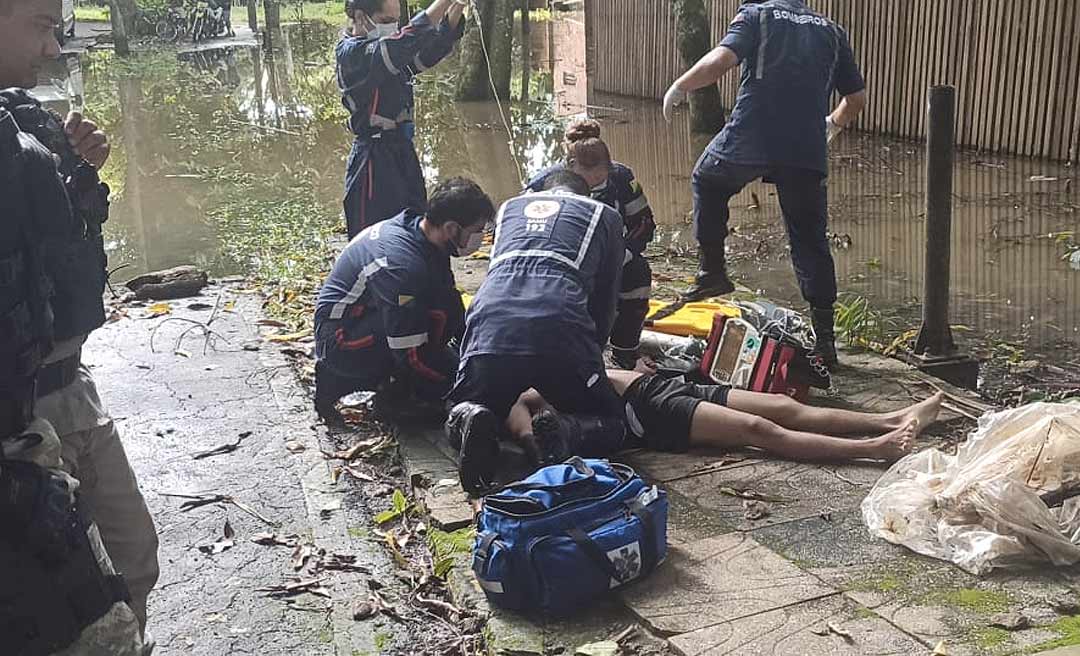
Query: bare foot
point(923, 413)
point(926, 412)
point(895, 445)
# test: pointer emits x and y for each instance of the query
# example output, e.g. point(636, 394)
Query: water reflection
point(224, 155)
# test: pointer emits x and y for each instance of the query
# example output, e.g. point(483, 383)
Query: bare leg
point(716, 426)
point(789, 413)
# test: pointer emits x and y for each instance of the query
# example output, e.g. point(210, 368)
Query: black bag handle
point(594, 552)
point(648, 543)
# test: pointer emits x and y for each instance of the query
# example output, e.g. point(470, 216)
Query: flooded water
point(233, 158)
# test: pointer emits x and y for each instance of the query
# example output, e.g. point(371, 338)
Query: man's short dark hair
point(460, 200)
point(567, 179)
point(369, 7)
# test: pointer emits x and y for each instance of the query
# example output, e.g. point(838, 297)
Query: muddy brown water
point(187, 128)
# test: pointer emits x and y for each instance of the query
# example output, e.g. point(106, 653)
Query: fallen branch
point(200, 500)
point(224, 448)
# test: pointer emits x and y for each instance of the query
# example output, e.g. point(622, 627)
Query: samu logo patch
point(627, 562)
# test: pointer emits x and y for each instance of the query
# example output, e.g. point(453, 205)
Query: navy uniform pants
point(633, 305)
point(803, 201)
point(382, 178)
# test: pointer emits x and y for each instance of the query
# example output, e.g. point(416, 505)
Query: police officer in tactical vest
point(74, 264)
point(59, 592)
point(792, 61)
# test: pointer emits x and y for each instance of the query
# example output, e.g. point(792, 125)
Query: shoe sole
point(479, 451)
point(702, 294)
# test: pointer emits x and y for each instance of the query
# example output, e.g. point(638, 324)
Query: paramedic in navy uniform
point(614, 184)
point(541, 320)
point(376, 64)
point(390, 305)
point(792, 61)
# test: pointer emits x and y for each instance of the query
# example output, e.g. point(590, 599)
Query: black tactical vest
point(77, 267)
point(34, 214)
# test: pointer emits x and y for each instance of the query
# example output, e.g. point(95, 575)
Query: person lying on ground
point(667, 414)
point(388, 310)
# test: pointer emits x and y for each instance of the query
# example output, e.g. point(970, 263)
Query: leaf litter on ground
point(741, 493)
point(228, 541)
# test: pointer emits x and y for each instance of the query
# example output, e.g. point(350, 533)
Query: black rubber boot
point(327, 388)
point(587, 436)
point(712, 278)
point(825, 346)
point(476, 429)
point(550, 432)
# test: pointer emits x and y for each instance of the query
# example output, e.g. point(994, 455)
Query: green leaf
point(399, 502)
point(443, 567)
point(387, 516)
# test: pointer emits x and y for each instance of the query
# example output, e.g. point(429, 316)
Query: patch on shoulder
point(542, 209)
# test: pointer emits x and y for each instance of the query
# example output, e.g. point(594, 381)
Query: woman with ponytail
point(614, 185)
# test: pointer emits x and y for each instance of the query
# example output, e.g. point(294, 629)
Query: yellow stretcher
point(693, 319)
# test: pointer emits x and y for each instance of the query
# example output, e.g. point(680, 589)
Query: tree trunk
point(127, 10)
point(497, 33)
point(272, 9)
point(253, 15)
point(405, 15)
point(119, 29)
point(692, 32)
point(526, 51)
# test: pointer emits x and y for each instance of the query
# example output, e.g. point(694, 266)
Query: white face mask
point(476, 240)
point(382, 30)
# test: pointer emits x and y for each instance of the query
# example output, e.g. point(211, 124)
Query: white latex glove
point(672, 98)
point(831, 129)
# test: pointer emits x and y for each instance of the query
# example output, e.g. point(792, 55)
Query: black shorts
point(660, 410)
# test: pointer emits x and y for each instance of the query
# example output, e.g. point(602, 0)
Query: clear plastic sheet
point(986, 507)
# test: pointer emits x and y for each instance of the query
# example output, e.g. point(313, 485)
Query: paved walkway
point(173, 401)
point(806, 579)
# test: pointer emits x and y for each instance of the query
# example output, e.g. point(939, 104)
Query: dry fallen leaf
point(942, 649)
point(289, 337)
point(301, 555)
point(755, 510)
point(296, 587)
point(293, 446)
point(227, 542)
point(272, 539)
point(158, 310)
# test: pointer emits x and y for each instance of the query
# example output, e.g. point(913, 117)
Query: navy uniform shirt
point(553, 281)
point(622, 192)
point(397, 290)
point(375, 76)
point(792, 61)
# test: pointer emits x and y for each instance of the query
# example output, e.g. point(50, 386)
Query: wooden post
point(253, 15)
point(935, 336)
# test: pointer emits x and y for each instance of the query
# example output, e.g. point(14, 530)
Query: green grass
point(1069, 630)
point(983, 602)
point(91, 14)
point(990, 638)
point(328, 12)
